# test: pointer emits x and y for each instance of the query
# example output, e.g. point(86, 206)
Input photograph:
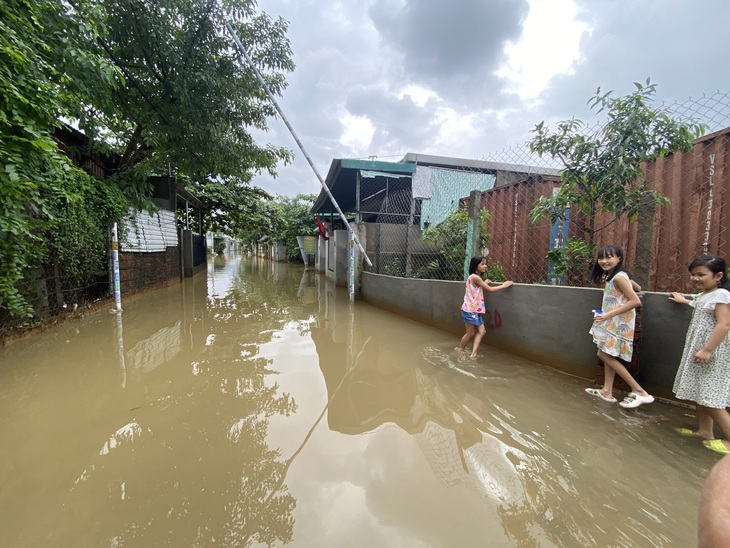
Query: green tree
point(44, 67)
point(450, 238)
point(602, 171)
point(236, 208)
point(158, 81)
point(293, 218)
point(189, 100)
point(572, 261)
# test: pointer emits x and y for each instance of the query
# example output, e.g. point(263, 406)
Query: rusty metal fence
point(423, 233)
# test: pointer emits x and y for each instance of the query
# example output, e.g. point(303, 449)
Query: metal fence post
point(645, 239)
point(472, 228)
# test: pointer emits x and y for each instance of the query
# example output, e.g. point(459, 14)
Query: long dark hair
point(474, 263)
point(607, 251)
point(714, 264)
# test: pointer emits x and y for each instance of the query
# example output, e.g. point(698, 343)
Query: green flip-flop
point(717, 446)
point(685, 432)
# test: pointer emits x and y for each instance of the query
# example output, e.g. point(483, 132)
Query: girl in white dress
point(704, 372)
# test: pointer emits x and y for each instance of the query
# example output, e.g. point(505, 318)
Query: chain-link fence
point(419, 230)
point(423, 232)
point(65, 285)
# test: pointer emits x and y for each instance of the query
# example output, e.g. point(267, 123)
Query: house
point(392, 203)
point(166, 245)
point(155, 248)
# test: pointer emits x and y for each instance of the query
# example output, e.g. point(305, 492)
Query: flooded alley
point(255, 406)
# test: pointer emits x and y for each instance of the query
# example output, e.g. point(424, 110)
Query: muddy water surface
point(255, 406)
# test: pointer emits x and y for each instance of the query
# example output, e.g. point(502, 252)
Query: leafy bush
point(572, 261)
point(450, 238)
point(219, 247)
point(495, 272)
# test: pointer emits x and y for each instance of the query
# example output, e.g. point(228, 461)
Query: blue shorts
point(472, 317)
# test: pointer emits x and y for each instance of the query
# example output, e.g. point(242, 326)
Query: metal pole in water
point(115, 260)
point(351, 265)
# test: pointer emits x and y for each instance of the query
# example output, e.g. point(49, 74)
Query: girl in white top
point(704, 372)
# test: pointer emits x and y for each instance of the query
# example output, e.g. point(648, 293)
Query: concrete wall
point(542, 323)
point(335, 257)
point(279, 252)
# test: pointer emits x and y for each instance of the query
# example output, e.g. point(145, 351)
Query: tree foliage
point(43, 64)
point(236, 208)
point(602, 171)
point(188, 100)
point(450, 237)
point(157, 82)
point(291, 219)
point(572, 261)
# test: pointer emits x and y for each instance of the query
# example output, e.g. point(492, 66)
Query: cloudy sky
point(470, 78)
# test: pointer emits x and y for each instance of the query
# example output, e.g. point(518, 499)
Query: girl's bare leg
point(705, 424)
point(471, 330)
point(617, 367)
point(722, 418)
point(480, 331)
point(608, 377)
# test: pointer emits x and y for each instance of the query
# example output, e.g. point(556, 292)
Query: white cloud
point(358, 133)
point(548, 46)
point(456, 130)
point(418, 94)
point(472, 78)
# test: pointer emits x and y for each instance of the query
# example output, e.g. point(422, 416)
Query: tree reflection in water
point(194, 433)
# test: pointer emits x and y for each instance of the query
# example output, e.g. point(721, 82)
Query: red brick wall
point(140, 271)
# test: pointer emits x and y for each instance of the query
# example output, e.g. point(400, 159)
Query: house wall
point(279, 252)
point(697, 184)
point(140, 271)
point(542, 323)
point(518, 245)
point(145, 233)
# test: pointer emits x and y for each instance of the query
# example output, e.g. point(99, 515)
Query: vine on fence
point(81, 212)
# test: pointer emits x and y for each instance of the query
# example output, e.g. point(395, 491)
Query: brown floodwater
point(254, 406)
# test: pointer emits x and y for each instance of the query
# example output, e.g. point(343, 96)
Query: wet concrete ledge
point(546, 324)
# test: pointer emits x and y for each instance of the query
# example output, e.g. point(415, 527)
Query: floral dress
point(706, 384)
point(615, 336)
point(473, 298)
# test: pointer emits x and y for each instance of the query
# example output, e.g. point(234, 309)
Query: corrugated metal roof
point(145, 233)
point(479, 165)
point(343, 175)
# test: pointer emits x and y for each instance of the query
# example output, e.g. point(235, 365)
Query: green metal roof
point(342, 177)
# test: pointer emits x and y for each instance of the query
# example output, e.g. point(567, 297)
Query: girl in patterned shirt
point(613, 326)
point(473, 306)
point(704, 372)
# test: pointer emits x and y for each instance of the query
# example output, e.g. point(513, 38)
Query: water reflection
point(180, 445)
point(257, 406)
point(557, 470)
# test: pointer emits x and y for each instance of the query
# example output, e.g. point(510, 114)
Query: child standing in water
point(613, 327)
point(473, 306)
point(704, 372)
